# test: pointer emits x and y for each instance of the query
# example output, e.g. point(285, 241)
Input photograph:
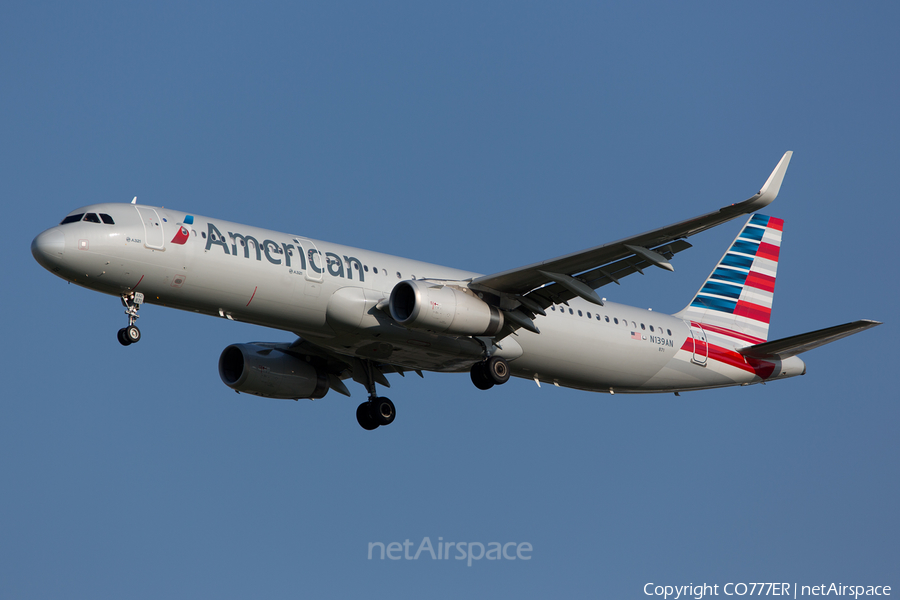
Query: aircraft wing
point(339, 367)
point(539, 285)
point(791, 346)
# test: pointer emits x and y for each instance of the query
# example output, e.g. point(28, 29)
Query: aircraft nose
point(48, 247)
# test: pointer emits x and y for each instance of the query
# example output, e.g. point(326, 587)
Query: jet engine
point(418, 304)
point(269, 372)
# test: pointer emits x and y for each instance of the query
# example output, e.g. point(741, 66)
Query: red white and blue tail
point(735, 302)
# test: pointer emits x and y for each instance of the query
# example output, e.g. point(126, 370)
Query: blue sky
point(482, 136)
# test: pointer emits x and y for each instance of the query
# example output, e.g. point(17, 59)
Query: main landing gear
point(132, 303)
point(376, 410)
point(488, 373)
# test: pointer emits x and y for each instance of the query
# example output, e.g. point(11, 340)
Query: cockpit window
point(92, 218)
point(72, 218)
point(107, 219)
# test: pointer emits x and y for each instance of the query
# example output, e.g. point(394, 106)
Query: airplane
point(360, 315)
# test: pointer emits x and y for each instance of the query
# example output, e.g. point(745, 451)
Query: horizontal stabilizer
point(791, 346)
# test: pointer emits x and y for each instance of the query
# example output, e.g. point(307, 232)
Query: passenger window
point(72, 219)
point(398, 275)
point(607, 319)
point(92, 218)
point(107, 219)
point(616, 320)
point(375, 270)
point(579, 314)
point(669, 331)
point(589, 315)
point(203, 234)
point(571, 312)
point(553, 308)
point(642, 327)
point(651, 328)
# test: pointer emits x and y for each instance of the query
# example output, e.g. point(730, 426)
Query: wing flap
point(554, 293)
point(796, 344)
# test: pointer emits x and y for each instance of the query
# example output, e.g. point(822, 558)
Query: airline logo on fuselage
point(284, 253)
point(183, 234)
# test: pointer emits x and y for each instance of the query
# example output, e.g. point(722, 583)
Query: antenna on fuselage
point(134, 201)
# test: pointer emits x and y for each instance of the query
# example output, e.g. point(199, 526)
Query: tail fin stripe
point(730, 276)
point(758, 219)
point(776, 223)
point(765, 266)
point(722, 289)
point(732, 333)
point(741, 262)
point(770, 222)
point(745, 247)
point(755, 296)
point(714, 303)
point(772, 237)
point(752, 311)
point(752, 233)
point(768, 251)
point(761, 282)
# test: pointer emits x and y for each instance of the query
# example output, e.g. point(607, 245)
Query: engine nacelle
point(270, 373)
point(443, 309)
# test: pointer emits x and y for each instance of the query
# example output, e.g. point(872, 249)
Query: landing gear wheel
point(383, 411)
point(497, 370)
point(364, 417)
point(122, 339)
point(132, 302)
point(480, 376)
point(132, 334)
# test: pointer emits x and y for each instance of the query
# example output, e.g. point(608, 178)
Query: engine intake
point(268, 372)
point(443, 309)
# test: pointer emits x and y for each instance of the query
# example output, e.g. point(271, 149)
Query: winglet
point(771, 187)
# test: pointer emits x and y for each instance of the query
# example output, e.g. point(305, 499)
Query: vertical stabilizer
point(735, 302)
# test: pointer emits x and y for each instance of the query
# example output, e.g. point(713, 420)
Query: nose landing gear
point(131, 334)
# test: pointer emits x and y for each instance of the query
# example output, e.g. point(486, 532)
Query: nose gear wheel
point(132, 302)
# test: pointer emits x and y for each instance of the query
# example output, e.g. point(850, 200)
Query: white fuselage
point(334, 295)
